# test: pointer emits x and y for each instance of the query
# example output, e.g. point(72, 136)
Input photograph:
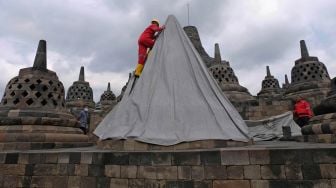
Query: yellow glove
point(138, 70)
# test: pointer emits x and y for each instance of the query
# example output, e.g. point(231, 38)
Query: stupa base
point(133, 145)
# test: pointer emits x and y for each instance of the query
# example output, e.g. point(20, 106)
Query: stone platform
point(263, 165)
point(133, 145)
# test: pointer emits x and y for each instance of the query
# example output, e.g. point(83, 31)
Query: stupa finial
point(40, 61)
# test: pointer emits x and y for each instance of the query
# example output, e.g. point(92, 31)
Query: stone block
point(278, 183)
point(74, 181)
point(252, 172)
point(115, 158)
point(10, 181)
point(139, 146)
point(36, 158)
point(51, 158)
point(102, 182)
point(260, 184)
point(147, 172)
point(184, 172)
point(66, 169)
point(23, 181)
point(120, 183)
point(75, 158)
point(2, 157)
point(155, 183)
point(302, 156)
point(45, 170)
point(129, 145)
point(128, 171)
point(333, 182)
point(197, 172)
point(186, 158)
point(235, 172)
point(29, 169)
point(23, 158)
point(322, 184)
point(82, 170)
point(136, 183)
point(273, 172)
point(63, 158)
point(202, 184)
point(112, 171)
point(215, 172)
point(59, 181)
point(293, 172)
point(86, 158)
point(96, 170)
point(140, 158)
point(325, 155)
point(12, 169)
point(12, 158)
point(231, 183)
point(166, 172)
point(210, 158)
point(231, 157)
point(100, 158)
point(195, 144)
point(328, 171)
point(42, 181)
point(311, 172)
point(161, 158)
point(182, 146)
point(88, 182)
point(259, 157)
point(184, 184)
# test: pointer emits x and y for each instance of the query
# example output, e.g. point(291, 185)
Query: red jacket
point(150, 31)
point(302, 109)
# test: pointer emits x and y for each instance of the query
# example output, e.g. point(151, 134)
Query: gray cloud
point(102, 35)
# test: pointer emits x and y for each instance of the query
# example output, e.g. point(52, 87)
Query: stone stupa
point(108, 99)
point(227, 80)
point(80, 94)
point(309, 78)
point(270, 85)
point(32, 110)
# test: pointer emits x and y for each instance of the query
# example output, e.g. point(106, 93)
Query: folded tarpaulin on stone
point(271, 128)
point(174, 100)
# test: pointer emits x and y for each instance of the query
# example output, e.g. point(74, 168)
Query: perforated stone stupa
point(108, 99)
point(270, 85)
point(227, 80)
point(309, 78)
point(32, 109)
point(80, 93)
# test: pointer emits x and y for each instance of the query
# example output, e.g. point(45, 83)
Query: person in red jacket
point(147, 40)
point(302, 112)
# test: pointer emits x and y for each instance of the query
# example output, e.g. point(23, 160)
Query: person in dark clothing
point(83, 120)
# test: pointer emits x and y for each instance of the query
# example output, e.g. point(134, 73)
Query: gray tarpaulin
point(174, 100)
point(271, 128)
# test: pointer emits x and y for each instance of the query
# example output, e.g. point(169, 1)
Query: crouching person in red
point(302, 112)
point(147, 40)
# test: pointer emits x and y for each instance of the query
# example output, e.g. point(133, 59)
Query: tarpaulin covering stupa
point(174, 100)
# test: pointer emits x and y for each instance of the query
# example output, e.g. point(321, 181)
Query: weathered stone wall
point(263, 108)
point(254, 168)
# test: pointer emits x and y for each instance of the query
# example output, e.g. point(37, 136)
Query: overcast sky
point(102, 35)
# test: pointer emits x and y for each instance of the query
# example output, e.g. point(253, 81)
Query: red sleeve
point(155, 28)
point(310, 113)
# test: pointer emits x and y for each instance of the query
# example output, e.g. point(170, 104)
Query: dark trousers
point(83, 129)
point(302, 121)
